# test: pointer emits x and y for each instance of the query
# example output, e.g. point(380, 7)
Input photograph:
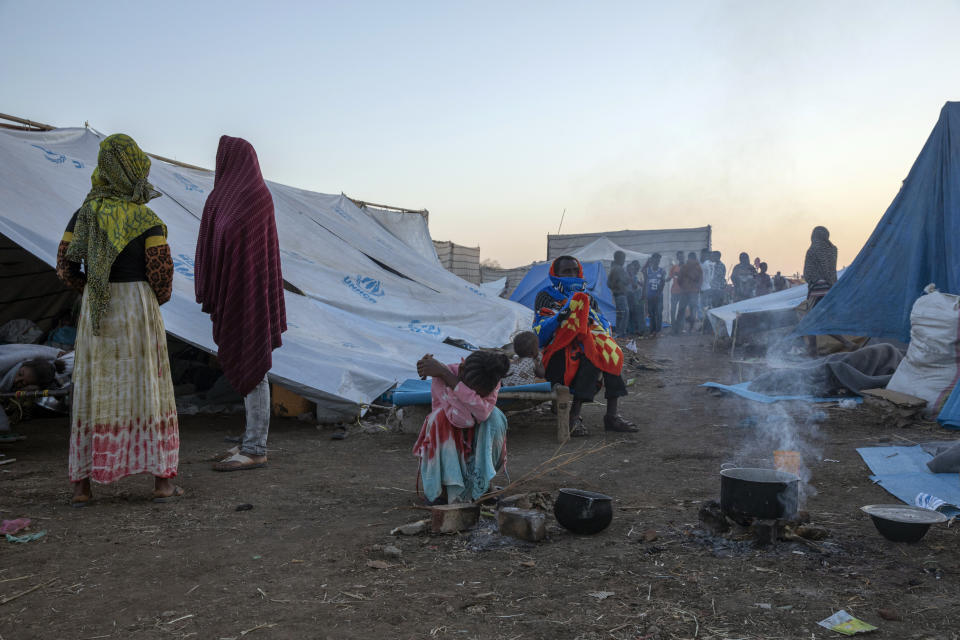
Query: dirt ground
point(296, 564)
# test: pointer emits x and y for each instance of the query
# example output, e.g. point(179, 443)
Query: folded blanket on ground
point(867, 368)
point(946, 457)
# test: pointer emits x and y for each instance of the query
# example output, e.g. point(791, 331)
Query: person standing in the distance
point(706, 266)
point(654, 280)
point(239, 283)
point(764, 282)
point(820, 265)
point(674, 277)
point(124, 417)
point(691, 276)
point(744, 279)
point(718, 285)
point(779, 282)
point(819, 272)
point(619, 283)
point(635, 299)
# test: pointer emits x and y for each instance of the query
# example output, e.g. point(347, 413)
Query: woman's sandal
point(81, 500)
point(619, 424)
point(579, 430)
point(220, 457)
point(178, 493)
point(239, 462)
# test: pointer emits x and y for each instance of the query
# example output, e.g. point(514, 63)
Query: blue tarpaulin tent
point(538, 277)
point(916, 242)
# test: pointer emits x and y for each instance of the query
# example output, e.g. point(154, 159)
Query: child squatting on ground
point(463, 442)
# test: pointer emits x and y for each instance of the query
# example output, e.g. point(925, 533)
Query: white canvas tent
point(602, 250)
point(373, 304)
point(666, 242)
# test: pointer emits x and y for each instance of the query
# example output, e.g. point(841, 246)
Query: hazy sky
point(762, 119)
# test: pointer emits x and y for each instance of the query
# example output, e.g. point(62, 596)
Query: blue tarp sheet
point(916, 242)
point(743, 391)
point(903, 472)
point(416, 391)
point(538, 277)
point(950, 413)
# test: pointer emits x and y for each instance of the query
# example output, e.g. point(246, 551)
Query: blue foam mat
point(415, 391)
point(903, 472)
point(742, 391)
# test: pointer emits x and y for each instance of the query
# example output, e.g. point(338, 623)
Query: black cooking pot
point(583, 512)
point(766, 494)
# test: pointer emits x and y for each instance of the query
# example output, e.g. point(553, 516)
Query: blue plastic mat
point(903, 472)
point(949, 417)
point(742, 391)
point(415, 391)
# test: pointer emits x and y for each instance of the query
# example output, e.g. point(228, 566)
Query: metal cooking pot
point(582, 511)
point(766, 494)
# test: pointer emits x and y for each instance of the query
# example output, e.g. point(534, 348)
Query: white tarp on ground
point(373, 305)
point(776, 301)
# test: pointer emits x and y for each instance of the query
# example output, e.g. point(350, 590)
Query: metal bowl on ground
point(584, 512)
point(902, 522)
point(767, 494)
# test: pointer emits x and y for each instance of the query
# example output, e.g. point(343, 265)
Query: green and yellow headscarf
point(113, 214)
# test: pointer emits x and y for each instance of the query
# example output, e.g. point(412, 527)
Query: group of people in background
point(698, 283)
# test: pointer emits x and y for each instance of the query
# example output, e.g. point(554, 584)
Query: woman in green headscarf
point(124, 417)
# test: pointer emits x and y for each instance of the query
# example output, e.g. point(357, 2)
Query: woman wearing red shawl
point(578, 350)
point(239, 283)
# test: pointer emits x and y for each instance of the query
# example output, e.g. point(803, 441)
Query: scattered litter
point(391, 551)
point(890, 614)
point(830, 460)
point(410, 529)
point(528, 563)
point(632, 345)
point(843, 622)
point(189, 615)
point(847, 403)
point(246, 506)
point(12, 526)
point(649, 535)
point(30, 537)
point(601, 595)
point(378, 564)
point(763, 605)
point(256, 557)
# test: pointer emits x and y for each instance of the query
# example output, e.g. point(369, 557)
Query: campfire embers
point(762, 531)
point(759, 505)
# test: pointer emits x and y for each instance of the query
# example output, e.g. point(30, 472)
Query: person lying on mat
point(578, 349)
point(463, 442)
point(526, 367)
point(25, 375)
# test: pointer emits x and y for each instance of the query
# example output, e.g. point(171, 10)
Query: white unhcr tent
point(373, 304)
